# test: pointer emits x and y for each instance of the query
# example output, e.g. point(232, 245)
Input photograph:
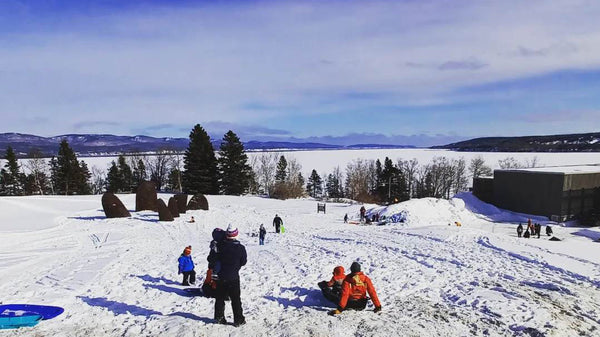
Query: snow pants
point(329, 293)
point(277, 228)
point(229, 288)
point(188, 277)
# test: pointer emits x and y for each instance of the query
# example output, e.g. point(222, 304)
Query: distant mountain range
point(582, 142)
point(106, 145)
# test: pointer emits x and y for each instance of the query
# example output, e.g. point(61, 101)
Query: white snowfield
point(118, 277)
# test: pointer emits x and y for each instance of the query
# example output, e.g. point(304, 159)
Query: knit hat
point(187, 250)
point(355, 267)
point(232, 232)
point(338, 271)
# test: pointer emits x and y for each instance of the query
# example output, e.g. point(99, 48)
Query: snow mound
point(426, 211)
point(493, 213)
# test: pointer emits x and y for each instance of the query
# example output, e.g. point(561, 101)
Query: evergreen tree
point(67, 174)
point(314, 187)
point(12, 177)
point(125, 175)
point(173, 180)
point(200, 164)
point(334, 187)
point(281, 172)
point(83, 179)
point(139, 174)
point(113, 179)
point(234, 171)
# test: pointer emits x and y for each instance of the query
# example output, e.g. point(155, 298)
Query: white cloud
point(189, 65)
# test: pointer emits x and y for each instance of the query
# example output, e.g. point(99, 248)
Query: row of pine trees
point(201, 171)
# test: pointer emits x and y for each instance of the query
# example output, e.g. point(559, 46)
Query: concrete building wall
point(483, 189)
point(529, 192)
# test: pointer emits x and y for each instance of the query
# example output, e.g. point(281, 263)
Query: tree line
point(231, 172)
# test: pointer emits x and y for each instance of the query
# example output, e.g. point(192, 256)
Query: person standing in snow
point(232, 256)
point(519, 230)
point(277, 222)
point(186, 267)
point(548, 230)
point(262, 232)
point(363, 212)
point(355, 287)
point(332, 290)
point(346, 218)
point(538, 229)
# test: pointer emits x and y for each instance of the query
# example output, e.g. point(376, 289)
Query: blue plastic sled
point(14, 316)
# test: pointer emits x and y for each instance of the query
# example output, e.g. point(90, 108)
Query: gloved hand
point(178, 272)
point(334, 312)
point(377, 309)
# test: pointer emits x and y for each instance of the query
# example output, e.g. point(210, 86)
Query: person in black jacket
point(519, 230)
point(232, 256)
point(262, 232)
point(277, 222)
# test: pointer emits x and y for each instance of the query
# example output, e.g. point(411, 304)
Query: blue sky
point(401, 72)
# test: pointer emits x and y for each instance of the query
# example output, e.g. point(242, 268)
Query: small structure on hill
point(113, 207)
point(163, 211)
point(173, 208)
point(560, 193)
point(321, 207)
point(181, 202)
point(198, 201)
point(145, 197)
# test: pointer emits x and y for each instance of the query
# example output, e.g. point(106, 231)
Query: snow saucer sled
point(14, 316)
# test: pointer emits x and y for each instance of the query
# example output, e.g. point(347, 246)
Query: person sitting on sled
point(186, 267)
point(355, 287)
point(332, 290)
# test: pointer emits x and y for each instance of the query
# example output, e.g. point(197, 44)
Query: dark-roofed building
point(560, 193)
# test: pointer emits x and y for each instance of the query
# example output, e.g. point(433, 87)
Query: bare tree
point(509, 163)
point(358, 179)
point(98, 180)
point(265, 167)
point(478, 168)
point(158, 165)
point(532, 162)
point(459, 170)
point(177, 164)
point(409, 169)
point(36, 165)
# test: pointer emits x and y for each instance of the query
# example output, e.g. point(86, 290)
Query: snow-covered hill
point(118, 277)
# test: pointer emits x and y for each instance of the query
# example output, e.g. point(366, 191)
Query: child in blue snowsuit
point(186, 267)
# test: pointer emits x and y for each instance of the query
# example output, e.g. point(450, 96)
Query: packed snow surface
point(118, 277)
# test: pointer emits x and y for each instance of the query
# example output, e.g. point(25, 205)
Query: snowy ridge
point(118, 277)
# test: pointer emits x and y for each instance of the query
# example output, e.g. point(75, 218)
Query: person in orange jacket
point(354, 292)
point(332, 290)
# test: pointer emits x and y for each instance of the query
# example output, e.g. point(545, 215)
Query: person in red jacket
point(354, 292)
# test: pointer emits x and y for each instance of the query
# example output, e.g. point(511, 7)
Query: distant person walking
point(519, 230)
point(277, 222)
point(346, 218)
point(232, 256)
point(262, 232)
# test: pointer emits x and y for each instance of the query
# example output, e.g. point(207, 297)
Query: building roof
point(567, 169)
